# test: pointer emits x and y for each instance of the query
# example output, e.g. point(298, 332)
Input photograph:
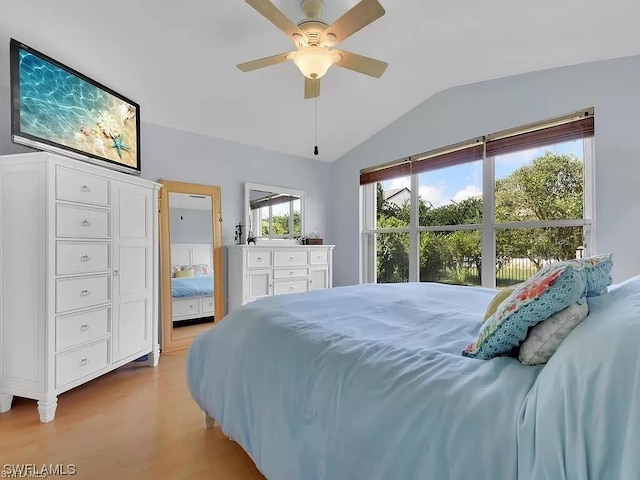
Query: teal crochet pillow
point(598, 273)
point(553, 288)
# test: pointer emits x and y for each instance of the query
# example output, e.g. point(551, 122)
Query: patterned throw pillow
point(544, 339)
point(497, 300)
point(180, 268)
point(201, 270)
point(598, 273)
point(184, 273)
point(553, 288)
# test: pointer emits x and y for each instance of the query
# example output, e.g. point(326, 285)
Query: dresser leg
point(47, 409)
point(154, 356)
point(5, 402)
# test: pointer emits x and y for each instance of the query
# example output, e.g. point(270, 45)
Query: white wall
point(186, 157)
point(465, 112)
point(194, 227)
point(172, 154)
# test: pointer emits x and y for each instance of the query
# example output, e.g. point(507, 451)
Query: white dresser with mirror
point(263, 270)
point(276, 263)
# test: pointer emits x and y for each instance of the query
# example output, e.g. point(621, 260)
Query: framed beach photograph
point(58, 109)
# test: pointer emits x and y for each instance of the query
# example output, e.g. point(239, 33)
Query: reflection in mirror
point(273, 212)
point(192, 282)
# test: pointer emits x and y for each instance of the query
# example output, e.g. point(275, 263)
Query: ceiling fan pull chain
point(315, 149)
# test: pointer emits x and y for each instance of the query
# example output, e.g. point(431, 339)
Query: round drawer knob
point(291, 257)
point(191, 307)
point(84, 293)
point(84, 361)
point(86, 189)
point(85, 223)
point(291, 287)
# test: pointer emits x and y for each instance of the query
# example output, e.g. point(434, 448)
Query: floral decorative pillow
point(501, 296)
point(201, 269)
point(553, 288)
point(544, 339)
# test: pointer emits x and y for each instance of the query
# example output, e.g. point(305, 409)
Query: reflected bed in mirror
point(192, 298)
point(273, 213)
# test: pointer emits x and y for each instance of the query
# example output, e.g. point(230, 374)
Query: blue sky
point(463, 181)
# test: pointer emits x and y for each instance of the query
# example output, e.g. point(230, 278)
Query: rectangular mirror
point(191, 263)
point(273, 212)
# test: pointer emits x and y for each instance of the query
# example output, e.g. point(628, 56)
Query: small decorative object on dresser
point(313, 241)
point(264, 270)
point(239, 237)
point(78, 275)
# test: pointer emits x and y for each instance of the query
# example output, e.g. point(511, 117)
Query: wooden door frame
point(167, 187)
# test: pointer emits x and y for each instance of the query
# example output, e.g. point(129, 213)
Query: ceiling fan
point(314, 40)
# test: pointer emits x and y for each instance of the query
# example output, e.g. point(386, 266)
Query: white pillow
point(544, 339)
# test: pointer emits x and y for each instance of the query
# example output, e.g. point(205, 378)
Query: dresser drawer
point(290, 257)
point(290, 272)
point(318, 257)
point(81, 257)
point(81, 292)
point(186, 306)
point(258, 258)
point(83, 361)
point(281, 287)
point(73, 330)
point(75, 186)
point(81, 222)
point(208, 305)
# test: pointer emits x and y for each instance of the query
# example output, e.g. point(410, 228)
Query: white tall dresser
point(78, 275)
point(266, 269)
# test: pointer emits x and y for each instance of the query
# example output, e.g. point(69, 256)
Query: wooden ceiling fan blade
point(360, 63)
point(269, 11)
point(361, 15)
point(264, 62)
point(311, 88)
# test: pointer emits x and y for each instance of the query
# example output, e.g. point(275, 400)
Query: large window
point(488, 212)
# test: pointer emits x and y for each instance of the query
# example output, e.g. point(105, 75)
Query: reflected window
point(275, 215)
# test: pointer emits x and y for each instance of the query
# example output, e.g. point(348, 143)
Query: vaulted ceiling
point(178, 59)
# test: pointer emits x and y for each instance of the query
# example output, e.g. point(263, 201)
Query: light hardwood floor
point(134, 423)
point(190, 331)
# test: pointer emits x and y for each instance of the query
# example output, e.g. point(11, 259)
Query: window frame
point(488, 228)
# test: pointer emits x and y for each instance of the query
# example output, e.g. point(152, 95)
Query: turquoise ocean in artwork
point(62, 108)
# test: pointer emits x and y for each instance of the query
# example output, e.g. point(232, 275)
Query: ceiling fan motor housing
point(313, 29)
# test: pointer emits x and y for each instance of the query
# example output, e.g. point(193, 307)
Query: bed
point(368, 382)
point(192, 288)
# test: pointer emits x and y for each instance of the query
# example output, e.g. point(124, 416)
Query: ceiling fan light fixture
point(313, 61)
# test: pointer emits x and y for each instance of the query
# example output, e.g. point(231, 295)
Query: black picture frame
point(39, 142)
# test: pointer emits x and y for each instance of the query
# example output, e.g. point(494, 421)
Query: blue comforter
point(192, 286)
point(368, 382)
